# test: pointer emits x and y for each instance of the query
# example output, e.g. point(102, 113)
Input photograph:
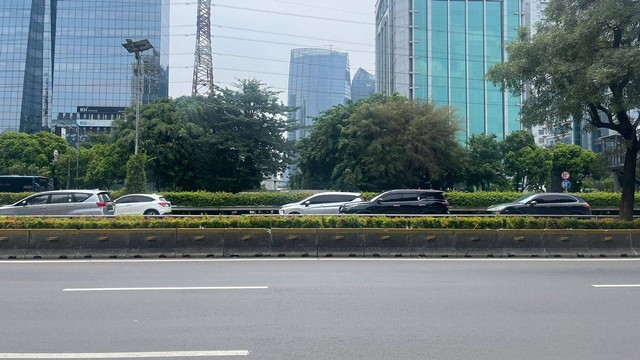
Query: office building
point(440, 50)
point(318, 80)
point(362, 85)
point(63, 61)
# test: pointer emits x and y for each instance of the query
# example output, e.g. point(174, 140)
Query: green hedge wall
point(457, 199)
point(350, 221)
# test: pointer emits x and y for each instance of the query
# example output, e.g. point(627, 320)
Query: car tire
point(151, 212)
point(294, 213)
point(363, 212)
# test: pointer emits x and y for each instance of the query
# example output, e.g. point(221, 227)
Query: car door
point(539, 205)
point(126, 205)
point(35, 205)
point(562, 204)
point(60, 204)
point(318, 204)
point(389, 204)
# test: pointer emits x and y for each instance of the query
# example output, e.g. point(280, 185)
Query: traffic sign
point(566, 184)
point(565, 175)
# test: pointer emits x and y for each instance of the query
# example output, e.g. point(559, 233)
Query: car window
point(140, 198)
point(555, 199)
point(431, 196)
point(406, 196)
point(60, 198)
point(104, 197)
point(346, 198)
point(80, 197)
point(320, 199)
point(36, 200)
point(125, 200)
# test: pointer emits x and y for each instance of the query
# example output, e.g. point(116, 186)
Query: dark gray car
point(544, 204)
point(63, 202)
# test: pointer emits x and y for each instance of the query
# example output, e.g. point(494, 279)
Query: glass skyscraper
point(363, 85)
point(318, 80)
point(62, 61)
point(440, 50)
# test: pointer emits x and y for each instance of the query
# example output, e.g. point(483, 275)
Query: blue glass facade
point(452, 44)
point(318, 80)
point(363, 85)
point(64, 56)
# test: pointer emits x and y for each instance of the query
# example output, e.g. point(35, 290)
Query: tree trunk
point(629, 182)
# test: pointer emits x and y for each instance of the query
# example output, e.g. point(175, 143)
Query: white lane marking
point(121, 355)
point(172, 288)
point(617, 286)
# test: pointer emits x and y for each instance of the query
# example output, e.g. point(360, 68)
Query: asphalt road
point(321, 309)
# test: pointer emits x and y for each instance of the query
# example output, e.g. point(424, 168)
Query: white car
point(142, 204)
point(321, 203)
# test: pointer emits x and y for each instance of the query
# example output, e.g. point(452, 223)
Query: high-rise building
point(65, 64)
point(363, 85)
point(440, 50)
point(318, 80)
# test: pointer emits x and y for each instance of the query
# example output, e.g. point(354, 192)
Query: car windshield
point(524, 199)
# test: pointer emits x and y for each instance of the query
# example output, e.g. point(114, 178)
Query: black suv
point(408, 201)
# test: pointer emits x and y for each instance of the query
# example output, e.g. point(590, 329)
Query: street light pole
point(136, 47)
point(53, 173)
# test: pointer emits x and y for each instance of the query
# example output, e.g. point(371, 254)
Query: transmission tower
point(203, 66)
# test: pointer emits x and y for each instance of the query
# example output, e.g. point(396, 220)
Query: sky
point(254, 38)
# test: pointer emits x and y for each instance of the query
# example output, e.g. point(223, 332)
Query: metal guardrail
point(268, 209)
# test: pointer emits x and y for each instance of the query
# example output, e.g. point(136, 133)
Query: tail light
point(446, 203)
point(587, 206)
point(164, 203)
point(102, 204)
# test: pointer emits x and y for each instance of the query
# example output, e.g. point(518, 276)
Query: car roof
point(414, 190)
point(71, 190)
point(337, 193)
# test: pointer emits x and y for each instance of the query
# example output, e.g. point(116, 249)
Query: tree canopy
point(381, 142)
point(583, 59)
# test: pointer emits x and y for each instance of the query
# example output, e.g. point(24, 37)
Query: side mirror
point(306, 203)
point(533, 203)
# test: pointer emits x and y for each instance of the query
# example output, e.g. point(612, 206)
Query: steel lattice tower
point(203, 64)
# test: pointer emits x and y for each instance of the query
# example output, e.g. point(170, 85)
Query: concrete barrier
point(635, 241)
point(477, 243)
point(294, 242)
point(200, 243)
point(387, 242)
point(609, 243)
point(247, 242)
point(521, 243)
point(563, 243)
point(153, 243)
point(340, 242)
point(52, 244)
point(432, 242)
point(13, 243)
point(102, 243)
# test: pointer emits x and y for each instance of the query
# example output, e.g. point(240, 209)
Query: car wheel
point(294, 213)
point(152, 212)
point(363, 212)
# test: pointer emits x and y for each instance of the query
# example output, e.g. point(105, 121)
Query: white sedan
point(142, 204)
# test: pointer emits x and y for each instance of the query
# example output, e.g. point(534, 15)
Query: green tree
point(582, 60)
point(136, 181)
point(381, 143)
point(575, 160)
point(526, 163)
point(483, 165)
point(31, 154)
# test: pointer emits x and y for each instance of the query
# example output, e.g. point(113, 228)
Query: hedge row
point(457, 199)
point(351, 221)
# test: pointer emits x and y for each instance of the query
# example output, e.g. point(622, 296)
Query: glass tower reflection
point(63, 60)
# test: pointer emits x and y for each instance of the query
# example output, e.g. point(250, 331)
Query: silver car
point(63, 202)
point(321, 203)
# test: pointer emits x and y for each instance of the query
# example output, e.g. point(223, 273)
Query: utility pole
point(203, 63)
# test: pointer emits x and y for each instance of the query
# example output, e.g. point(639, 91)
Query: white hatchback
point(142, 204)
point(321, 203)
